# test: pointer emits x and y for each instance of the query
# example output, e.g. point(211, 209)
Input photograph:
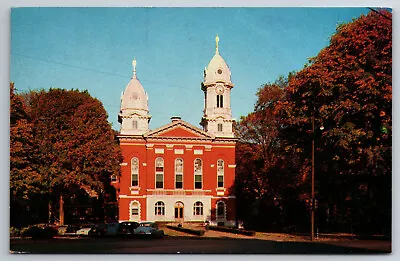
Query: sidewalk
point(339, 239)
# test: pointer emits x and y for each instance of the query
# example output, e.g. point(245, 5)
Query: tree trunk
point(61, 210)
point(50, 212)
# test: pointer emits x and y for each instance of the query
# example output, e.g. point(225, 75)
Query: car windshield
point(128, 224)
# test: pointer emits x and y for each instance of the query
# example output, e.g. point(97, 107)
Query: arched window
point(220, 101)
point(159, 209)
point(134, 172)
point(134, 211)
point(220, 210)
point(159, 173)
point(179, 173)
point(198, 173)
point(198, 209)
point(220, 173)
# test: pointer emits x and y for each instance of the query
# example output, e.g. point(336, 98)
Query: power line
point(389, 18)
point(69, 65)
point(94, 70)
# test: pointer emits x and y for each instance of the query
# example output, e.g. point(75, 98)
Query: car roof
point(129, 222)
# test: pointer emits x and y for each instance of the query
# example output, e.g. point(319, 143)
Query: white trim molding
point(198, 152)
point(178, 151)
point(159, 151)
point(129, 196)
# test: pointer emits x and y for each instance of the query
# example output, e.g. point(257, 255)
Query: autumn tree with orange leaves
point(263, 173)
point(347, 89)
point(74, 148)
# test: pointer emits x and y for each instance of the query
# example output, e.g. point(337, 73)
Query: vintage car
point(127, 229)
point(142, 229)
point(85, 230)
point(149, 229)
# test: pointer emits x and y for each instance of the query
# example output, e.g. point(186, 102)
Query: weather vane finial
point(134, 67)
point(216, 43)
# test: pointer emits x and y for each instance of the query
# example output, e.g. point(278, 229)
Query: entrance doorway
point(178, 211)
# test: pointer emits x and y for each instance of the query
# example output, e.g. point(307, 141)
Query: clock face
point(219, 71)
point(135, 96)
point(219, 89)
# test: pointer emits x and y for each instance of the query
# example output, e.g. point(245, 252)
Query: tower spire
point(216, 43)
point(134, 67)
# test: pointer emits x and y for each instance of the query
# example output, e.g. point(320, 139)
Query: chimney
point(175, 118)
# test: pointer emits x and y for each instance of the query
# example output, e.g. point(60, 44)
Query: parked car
point(127, 228)
point(149, 229)
point(85, 230)
point(67, 230)
point(61, 230)
point(104, 229)
point(111, 229)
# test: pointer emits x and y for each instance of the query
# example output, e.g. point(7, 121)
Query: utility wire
point(94, 70)
point(389, 18)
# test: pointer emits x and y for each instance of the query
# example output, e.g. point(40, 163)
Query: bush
point(233, 230)
point(187, 230)
point(14, 232)
point(37, 231)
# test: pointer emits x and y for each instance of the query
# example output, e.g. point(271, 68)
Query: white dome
point(217, 71)
point(134, 97)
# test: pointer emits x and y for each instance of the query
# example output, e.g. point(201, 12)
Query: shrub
point(36, 231)
point(14, 232)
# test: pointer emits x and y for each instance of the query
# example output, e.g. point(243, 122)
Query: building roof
point(134, 98)
point(217, 70)
point(178, 129)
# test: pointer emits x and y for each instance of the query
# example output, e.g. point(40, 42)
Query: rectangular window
point(134, 125)
point(197, 181)
point(220, 181)
point(159, 181)
point(219, 126)
point(159, 211)
point(220, 101)
point(135, 211)
point(134, 172)
point(198, 211)
point(179, 181)
point(135, 180)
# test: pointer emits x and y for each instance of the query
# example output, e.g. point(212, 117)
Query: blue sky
point(93, 48)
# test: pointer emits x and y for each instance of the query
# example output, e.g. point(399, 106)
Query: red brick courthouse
point(178, 172)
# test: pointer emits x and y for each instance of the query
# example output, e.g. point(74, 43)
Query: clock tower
point(217, 118)
point(134, 114)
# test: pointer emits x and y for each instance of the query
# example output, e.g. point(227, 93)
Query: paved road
point(174, 245)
